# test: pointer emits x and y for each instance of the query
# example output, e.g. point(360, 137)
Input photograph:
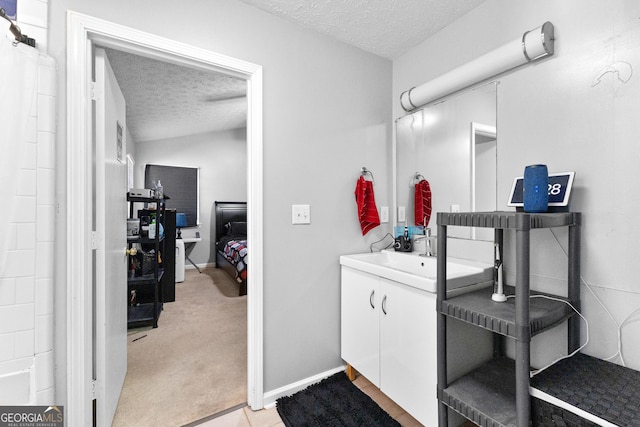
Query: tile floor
point(245, 417)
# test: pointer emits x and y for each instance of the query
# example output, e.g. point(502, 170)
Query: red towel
point(367, 210)
point(423, 203)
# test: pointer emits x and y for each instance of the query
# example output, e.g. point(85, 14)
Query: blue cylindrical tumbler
point(536, 183)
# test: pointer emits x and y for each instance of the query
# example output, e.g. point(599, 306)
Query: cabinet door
point(359, 338)
point(408, 349)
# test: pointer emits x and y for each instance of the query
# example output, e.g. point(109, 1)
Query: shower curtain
point(18, 85)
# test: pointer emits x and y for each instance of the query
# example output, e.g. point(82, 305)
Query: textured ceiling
point(387, 28)
point(166, 100)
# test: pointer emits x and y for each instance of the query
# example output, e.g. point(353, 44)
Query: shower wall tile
point(45, 397)
point(44, 333)
point(46, 113)
point(26, 182)
point(20, 263)
point(24, 344)
point(25, 209)
point(33, 21)
point(45, 150)
point(46, 226)
point(46, 186)
point(32, 12)
point(17, 318)
point(15, 365)
point(29, 153)
point(7, 291)
point(45, 235)
point(44, 297)
point(27, 287)
point(44, 370)
point(12, 237)
point(47, 81)
point(26, 236)
point(32, 127)
point(7, 347)
point(45, 264)
point(34, 107)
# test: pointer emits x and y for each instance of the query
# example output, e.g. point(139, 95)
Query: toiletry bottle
point(152, 229)
point(159, 190)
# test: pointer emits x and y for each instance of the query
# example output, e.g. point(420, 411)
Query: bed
point(231, 241)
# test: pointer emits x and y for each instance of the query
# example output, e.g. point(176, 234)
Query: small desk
point(187, 241)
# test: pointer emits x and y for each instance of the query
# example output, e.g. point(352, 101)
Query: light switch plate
point(384, 214)
point(300, 214)
point(402, 217)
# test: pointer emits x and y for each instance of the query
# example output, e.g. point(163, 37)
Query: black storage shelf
point(497, 394)
point(137, 199)
point(487, 395)
point(507, 220)
point(143, 314)
point(147, 312)
point(145, 240)
point(147, 279)
point(478, 309)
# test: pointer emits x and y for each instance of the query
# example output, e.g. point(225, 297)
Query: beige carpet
point(195, 363)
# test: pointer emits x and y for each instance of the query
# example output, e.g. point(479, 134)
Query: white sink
point(420, 272)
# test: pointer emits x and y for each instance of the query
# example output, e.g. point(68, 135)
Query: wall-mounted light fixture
point(533, 45)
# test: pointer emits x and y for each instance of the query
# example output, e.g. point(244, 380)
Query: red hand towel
point(367, 210)
point(423, 203)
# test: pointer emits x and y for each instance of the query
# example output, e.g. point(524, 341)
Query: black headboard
point(229, 212)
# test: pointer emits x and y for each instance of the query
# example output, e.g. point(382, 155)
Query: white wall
point(222, 159)
point(27, 283)
point(326, 114)
point(552, 112)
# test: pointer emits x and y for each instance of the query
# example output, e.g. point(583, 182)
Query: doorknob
point(131, 251)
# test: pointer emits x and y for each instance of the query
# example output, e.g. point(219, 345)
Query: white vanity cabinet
point(388, 334)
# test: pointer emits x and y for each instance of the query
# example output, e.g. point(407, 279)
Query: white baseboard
point(269, 398)
point(189, 266)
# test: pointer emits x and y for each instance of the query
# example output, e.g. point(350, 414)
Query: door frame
point(82, 32)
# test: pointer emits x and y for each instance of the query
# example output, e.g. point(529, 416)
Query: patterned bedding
point(234, 249)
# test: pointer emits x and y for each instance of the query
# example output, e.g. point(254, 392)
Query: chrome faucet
point(429, 242)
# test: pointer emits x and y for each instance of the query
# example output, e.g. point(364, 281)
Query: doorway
point(193, 121)
point(85, 31)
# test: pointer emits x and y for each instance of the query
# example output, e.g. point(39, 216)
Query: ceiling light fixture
point(533, 45)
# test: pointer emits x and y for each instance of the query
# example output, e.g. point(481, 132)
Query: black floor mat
point(601, 388)
point(334, 401)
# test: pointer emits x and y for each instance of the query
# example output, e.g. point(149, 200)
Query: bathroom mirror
point(453, 145)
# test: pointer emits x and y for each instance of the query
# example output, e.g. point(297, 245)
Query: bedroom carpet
point(195, 363)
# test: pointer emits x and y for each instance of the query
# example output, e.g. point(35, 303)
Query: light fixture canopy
point(533, 45)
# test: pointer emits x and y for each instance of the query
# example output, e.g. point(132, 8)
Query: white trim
point(534, 392)
point(483, 130)
point(82, 31)
point(79, 233)
point(287, 390)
